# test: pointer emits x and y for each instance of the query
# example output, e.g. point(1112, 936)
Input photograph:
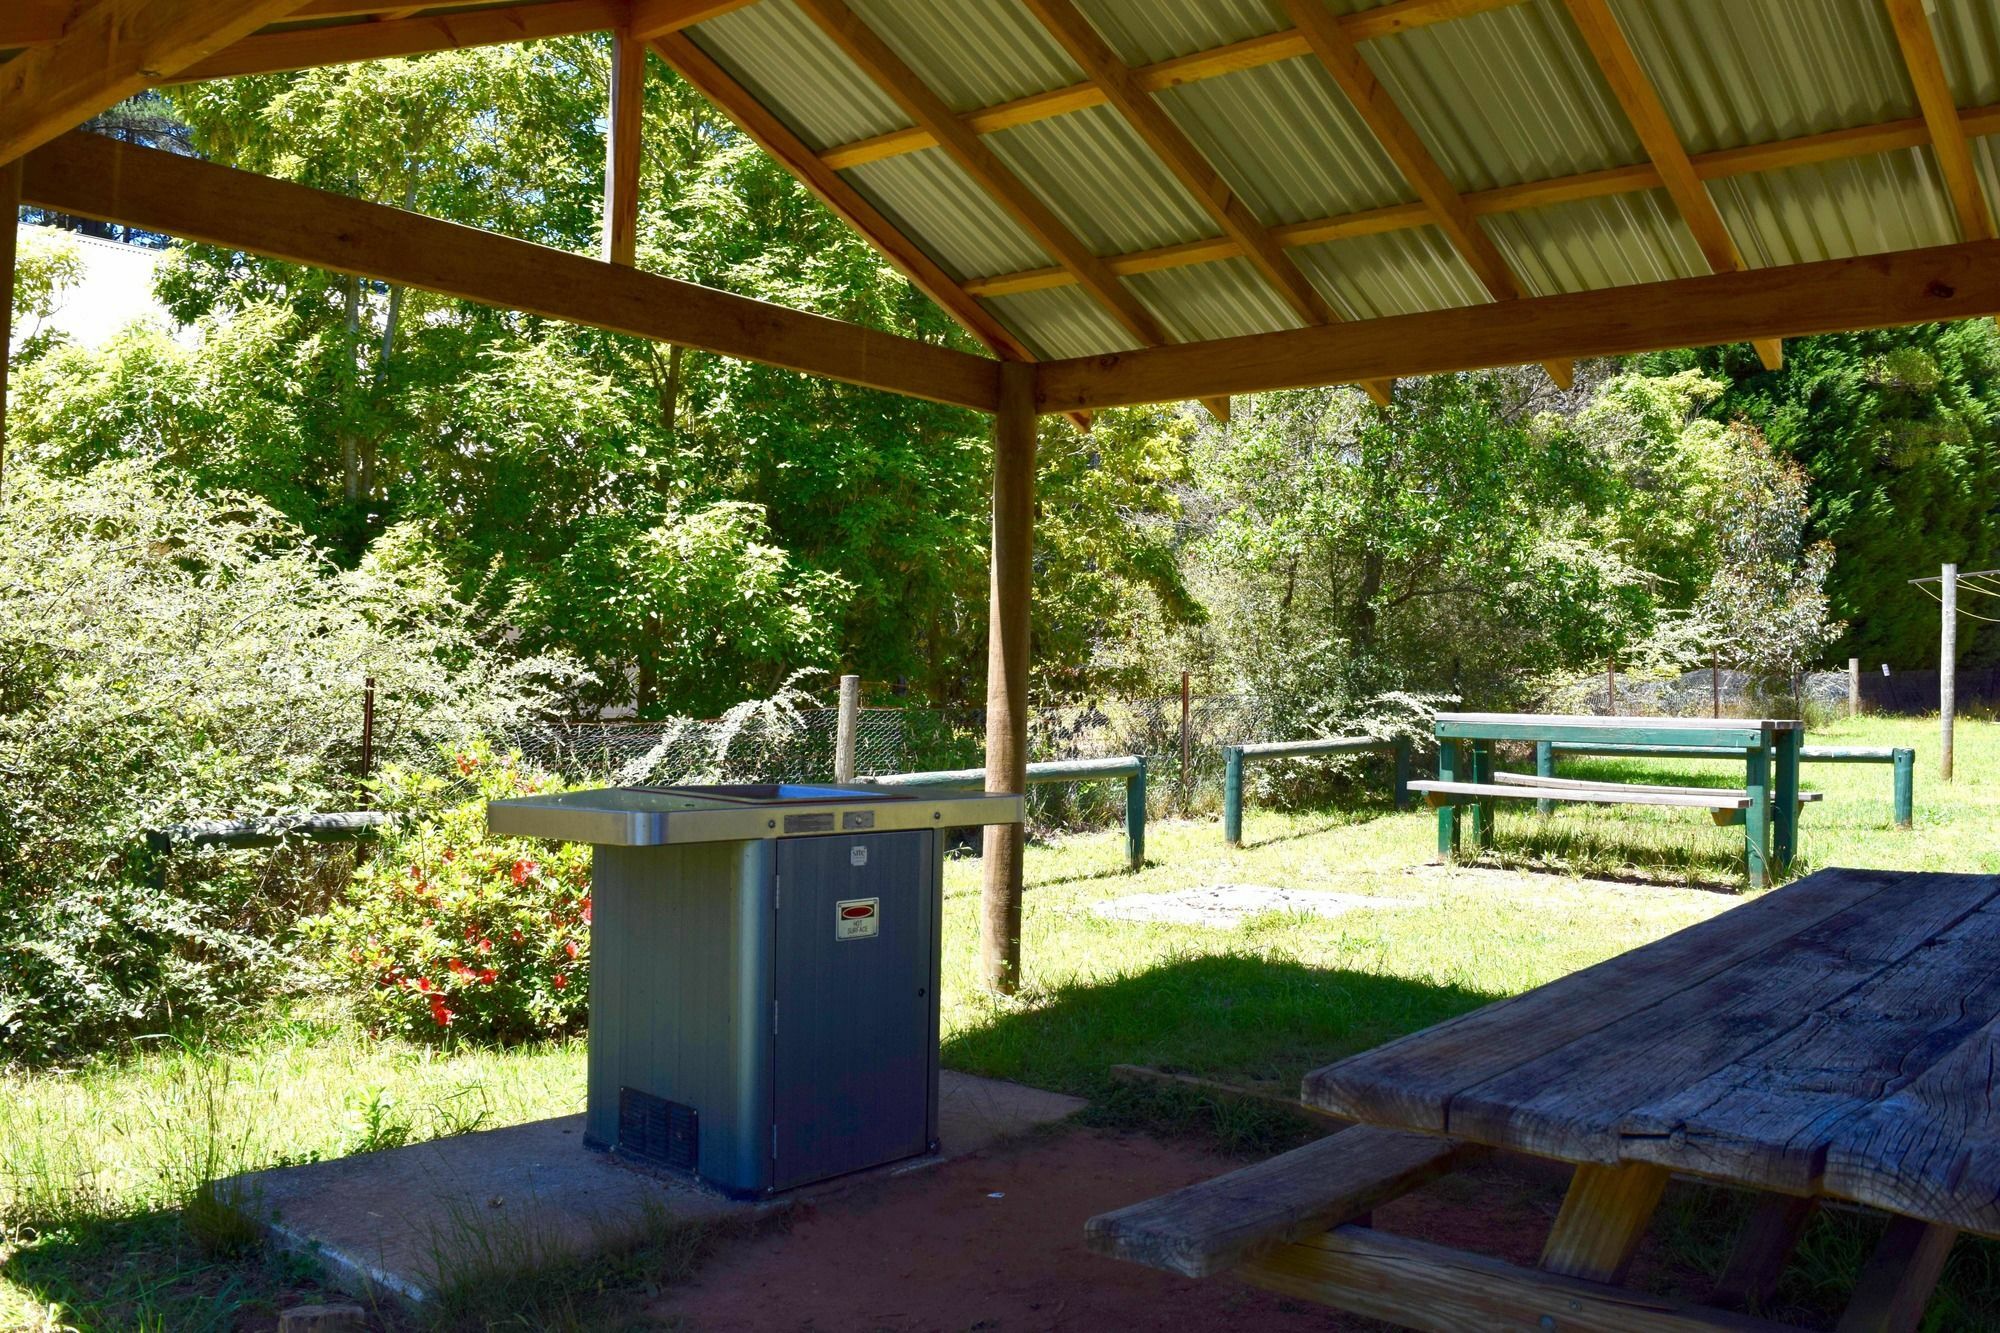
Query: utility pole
point(1947, 667)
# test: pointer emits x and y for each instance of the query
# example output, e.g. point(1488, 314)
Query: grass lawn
point(98, 1165)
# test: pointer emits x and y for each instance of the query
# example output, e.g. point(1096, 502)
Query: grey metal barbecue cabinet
point(764, 972)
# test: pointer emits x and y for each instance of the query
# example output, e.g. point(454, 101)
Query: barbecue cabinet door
point(853, 1051)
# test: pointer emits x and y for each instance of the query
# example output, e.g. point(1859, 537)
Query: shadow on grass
point(1238, 1018)
point(1353, 816)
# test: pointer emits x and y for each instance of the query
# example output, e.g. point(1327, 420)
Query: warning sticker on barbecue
point(857, 918)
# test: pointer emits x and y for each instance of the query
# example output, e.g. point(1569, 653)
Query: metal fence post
point(1545, 767)
point(1232, 795)
point(845, 728)
point(1906, 772)
point(1135, 817)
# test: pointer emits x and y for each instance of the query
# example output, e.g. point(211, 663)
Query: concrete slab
point(1229, 906)
point(405, 1221)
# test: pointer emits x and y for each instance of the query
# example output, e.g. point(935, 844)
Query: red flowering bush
point(447, 931)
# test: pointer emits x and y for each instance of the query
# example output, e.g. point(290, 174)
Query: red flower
point(440, 1015)
point(586, 911)
point(487, 976)
point(485, 945)
point(517, 937)
point(523, 869)
point(423, 983)
point(561, 981)
point(569, 947)
point(466, 763)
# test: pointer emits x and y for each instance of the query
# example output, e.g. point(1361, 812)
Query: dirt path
point(937, 1250)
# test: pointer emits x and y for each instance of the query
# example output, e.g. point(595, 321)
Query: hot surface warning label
point(857, 918)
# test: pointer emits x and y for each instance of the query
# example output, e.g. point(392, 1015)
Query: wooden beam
point(888, 72)
point(657, 18)
point(33, 22)
point(1115, 79)
point(624, 130)
point(1250, 53)
point(109, 51)
point(10, 233)
point(1722, 164)
point(1149, 119)
point(348, 9)
point(1940, 110)
point(1619, 64)
point(1836, 295)
point(1343, 61)
point(772, 135)
point(96, 177)
point(1010, 583)
point(1414, 1284)
point(1604, 1217)
point(349, 43)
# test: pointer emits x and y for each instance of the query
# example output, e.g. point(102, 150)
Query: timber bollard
point(1235, 756)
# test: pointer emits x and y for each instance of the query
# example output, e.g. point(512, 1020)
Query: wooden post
point(1906, 781)
point(10, 230)
point(367, 726)
point(1232, 795)
point(1757, 819)
point(846, 724)
point(1449, 817)
point(1784, 798)
point(1011, 574)
point(1947, 669)
point(1187, 741)
point(1715, 682)
point(1545, 767)
point(1485, 807)
point(1611, 684)
point(1854, 687)
point(1135, 818)
point(621, 149)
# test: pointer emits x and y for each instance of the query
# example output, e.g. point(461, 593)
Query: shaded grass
point(99, 1164)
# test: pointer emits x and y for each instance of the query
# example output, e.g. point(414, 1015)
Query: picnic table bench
point(1767, 806)
point(1832, 1040)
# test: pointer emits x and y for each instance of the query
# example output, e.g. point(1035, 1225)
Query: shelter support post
point(625, 119)
point(10, 230)
point(1014, 426)
point(1947, 668)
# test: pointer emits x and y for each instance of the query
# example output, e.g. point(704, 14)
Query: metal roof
point(1500, 95)
point(1494, 114)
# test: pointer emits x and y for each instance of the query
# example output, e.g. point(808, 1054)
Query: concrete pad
point(404, 1221)
point(1228, 906)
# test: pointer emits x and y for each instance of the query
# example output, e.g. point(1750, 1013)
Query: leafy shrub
point(168, 655)
point(447, 931)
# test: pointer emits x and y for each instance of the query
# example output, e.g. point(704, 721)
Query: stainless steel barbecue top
point(656, 816)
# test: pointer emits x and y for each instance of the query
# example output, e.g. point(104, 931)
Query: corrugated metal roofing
point(1506, 96)
point(1503, 97)
point(1731, 73)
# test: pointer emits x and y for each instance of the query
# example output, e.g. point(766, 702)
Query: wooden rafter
point(1150, 120)
point(1265, 49)
point(1870, 291)
point(771, 134)
point(96, 177)
point(1722, 164)
point(33, 22)
point(1619, 64)
point(1342, 60)
point(888, 71)
point(625, 119)
point(1947, 133)
point(307, 48)
point(657, 18)
point(108, 51)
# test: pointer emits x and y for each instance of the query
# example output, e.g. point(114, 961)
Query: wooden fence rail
point(1130, 767)
point(1234, 757)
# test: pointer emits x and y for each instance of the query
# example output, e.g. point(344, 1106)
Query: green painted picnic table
point(1768, 804)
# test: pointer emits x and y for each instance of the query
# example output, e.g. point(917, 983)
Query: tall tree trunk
point(1365, 618)
point(350, 462)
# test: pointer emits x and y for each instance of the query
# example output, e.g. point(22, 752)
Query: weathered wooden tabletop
point(1836, 1037)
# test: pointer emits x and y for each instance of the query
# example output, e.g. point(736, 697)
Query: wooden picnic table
point(1769, 747)
point(1834, 1039)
